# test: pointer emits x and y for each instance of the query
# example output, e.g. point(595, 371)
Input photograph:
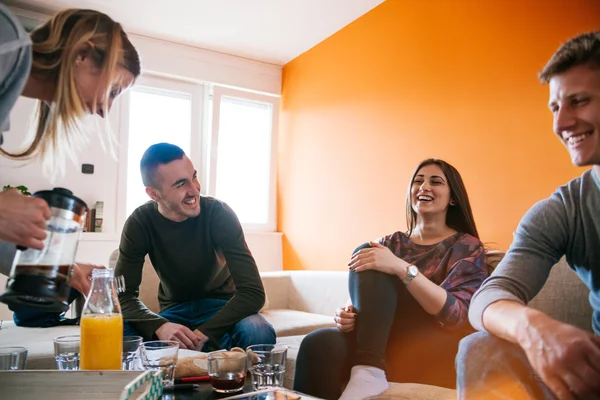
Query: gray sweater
point(567, 223)
point(15, 64)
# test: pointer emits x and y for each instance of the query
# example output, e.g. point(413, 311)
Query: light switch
point(87, 168)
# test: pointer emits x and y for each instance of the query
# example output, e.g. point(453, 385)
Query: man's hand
point(182, 334)
point(203, 340)
point(80, 277)
point(565, 357)
point(345, 318)
point(23, 219)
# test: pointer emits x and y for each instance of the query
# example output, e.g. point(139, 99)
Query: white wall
point(158, 57)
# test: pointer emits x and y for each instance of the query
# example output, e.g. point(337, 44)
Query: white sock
point(365, 381)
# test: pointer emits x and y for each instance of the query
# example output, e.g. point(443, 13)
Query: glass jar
point(39, 278)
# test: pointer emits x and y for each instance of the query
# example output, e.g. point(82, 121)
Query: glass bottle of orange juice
point(101, 325)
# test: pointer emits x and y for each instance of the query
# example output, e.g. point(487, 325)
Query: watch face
point(413, 271)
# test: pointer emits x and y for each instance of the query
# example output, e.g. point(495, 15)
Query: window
point(232, 143)
point(242, 171)
point(157, 110)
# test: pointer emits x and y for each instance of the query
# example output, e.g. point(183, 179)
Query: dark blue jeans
point(491, 368)
point(253, 329)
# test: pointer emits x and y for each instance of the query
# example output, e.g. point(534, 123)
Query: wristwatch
point(411, 273)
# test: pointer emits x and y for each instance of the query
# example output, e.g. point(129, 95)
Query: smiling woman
point(439, 177)
point(410, 294)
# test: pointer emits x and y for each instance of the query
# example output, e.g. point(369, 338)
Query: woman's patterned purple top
point(456, 264)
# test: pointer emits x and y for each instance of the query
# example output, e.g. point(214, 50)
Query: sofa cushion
point(318, 292)
point(565, 297)
point(277, 286)
point(292, 322)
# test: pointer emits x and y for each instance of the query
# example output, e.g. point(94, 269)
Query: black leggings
point(392, 332)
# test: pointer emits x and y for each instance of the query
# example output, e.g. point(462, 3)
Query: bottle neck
point(103, 296)
point(102, 283)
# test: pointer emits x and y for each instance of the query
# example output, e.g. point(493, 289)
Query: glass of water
point(267, 365)
point(161, 355)
point(13, 358)
point(131, 354)
point(66, 352)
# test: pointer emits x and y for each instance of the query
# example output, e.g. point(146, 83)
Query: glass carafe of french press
point(38, 278)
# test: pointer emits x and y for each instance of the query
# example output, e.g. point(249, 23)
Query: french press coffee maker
point(39, 278)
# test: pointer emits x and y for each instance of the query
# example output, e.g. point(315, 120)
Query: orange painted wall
point(414, 79)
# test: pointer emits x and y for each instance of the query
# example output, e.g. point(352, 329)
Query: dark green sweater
point(201, 257)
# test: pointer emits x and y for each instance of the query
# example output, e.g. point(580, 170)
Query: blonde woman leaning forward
point(75, 64)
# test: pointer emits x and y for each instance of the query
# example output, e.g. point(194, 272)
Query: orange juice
point(101, 342)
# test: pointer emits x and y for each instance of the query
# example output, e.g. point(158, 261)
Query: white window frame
point(218, 93)
point(197, 146)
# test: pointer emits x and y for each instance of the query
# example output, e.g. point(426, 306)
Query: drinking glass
point(227, 371)
point(131, 354)
point(161, 355)
point(267, 365)
point(66, 352)
point(13, 358)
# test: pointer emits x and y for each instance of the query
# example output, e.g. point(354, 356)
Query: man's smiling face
point(177, 190)
point(575, 105)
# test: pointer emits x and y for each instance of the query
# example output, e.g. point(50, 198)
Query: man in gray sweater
point(522, 353)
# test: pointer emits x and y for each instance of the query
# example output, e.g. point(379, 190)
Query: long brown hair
point(56, 45)
point(459, 216)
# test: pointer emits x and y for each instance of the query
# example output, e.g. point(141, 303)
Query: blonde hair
point(56, 45)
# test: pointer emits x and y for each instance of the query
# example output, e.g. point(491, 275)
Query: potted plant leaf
point(21, 188)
